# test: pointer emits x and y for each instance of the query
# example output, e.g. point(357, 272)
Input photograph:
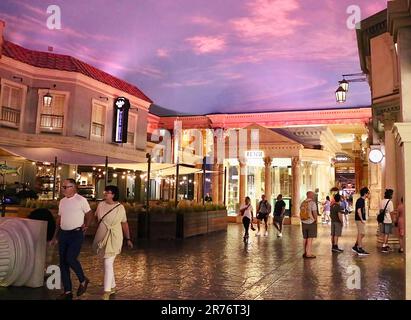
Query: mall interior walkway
point(221, 266)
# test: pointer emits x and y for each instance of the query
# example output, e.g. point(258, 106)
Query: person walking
point(360, 220)
point(246, 211)
point(74, 217)
point(336, 214)
point(344, 206)
point(279, 209)
point(326, 210)
point(108, 241)
point(401, 225)
point(386, 227)
point(263, 211)
point(308, 215)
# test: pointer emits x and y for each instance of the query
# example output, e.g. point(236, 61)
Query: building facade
point(385, 54)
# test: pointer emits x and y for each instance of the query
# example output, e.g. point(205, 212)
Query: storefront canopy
point(63, 156)
point(85, 159)
point(162, 169)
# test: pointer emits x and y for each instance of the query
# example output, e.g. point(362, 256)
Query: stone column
point(198, 186)
point(267, 178)
point(242, 180)
point(221, 184)
point(403, 130)
point(296, 175)
point(214, 182)
point(390, 159)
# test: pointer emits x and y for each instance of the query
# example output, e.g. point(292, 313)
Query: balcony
point(97, 131)
point(130, 139)
point(51, 123)
point(10, 117)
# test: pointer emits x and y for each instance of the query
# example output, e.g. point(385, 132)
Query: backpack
point(305, 210)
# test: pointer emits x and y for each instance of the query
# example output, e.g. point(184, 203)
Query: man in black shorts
point(279, 209)
point(263, 211)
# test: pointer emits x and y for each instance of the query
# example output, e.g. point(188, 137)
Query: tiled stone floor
point(221, 266)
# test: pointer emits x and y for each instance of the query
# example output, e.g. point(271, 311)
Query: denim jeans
point(69, 249)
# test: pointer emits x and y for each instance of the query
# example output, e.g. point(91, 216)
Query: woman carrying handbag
point(246, 211)
point(112, 224)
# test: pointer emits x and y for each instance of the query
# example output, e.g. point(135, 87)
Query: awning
point(85, 159)
point(162, 169)
point(63, 156)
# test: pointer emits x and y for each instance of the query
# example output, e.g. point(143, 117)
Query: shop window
point(131, 130)
point(98, 120)
point(11, 105)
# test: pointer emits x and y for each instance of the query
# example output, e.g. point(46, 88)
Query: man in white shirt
point(386, 226)
point(71, 225)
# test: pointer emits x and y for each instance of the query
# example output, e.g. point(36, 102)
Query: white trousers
point(109, 281)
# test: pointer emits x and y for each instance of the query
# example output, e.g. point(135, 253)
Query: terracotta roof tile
point(67, 63)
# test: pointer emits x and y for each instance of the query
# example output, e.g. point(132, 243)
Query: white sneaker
point(257, 234)
point(266, 234)
point(280, 235)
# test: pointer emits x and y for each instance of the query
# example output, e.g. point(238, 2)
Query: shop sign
point(120, 119)
point(254, 154)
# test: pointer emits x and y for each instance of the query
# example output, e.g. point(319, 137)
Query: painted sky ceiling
point(208, 56)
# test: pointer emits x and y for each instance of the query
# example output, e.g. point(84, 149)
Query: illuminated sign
point(120, 120)
point(375, 156)
point(254, 154)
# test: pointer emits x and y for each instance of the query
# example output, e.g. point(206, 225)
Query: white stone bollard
point(22, 252)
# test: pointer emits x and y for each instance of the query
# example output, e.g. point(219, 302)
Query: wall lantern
point(47, 100)
point(344, 84)
point(340, 95)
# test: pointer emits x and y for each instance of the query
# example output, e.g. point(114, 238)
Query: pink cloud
point(268, 18)
point(203, 45)
point(201, 20)
point(33, 9)
point(187, 83)
point(162, 53)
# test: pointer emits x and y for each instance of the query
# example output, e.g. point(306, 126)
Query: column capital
point(402, 132)
point(242, 162)
point(296, 161)
point(267, 161)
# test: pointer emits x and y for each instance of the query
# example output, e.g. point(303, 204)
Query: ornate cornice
point(398, 15)
point(271, 119)
point(402, 132)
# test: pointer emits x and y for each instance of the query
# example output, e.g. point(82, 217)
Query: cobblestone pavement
point(221, 266)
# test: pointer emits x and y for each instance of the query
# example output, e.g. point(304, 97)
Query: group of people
point(335, 213)
point(263, 212)
point(74, 218)
point(327, 210)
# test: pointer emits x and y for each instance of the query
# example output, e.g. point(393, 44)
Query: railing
point(51, 121)
point(97, 129)
point(10, 115)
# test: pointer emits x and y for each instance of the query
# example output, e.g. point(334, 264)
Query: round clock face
point(375, 156)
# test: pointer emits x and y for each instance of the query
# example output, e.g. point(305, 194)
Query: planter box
point(217, 221)
point(157, 225)
point(191, 224)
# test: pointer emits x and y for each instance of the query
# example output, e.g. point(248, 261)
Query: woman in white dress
point(112, 224)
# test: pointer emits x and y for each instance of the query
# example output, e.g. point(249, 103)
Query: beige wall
point(384, 71)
